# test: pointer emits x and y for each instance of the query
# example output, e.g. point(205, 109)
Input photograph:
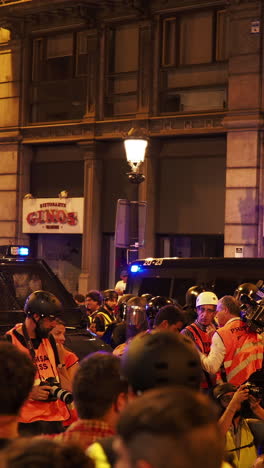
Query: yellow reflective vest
point(246, 453)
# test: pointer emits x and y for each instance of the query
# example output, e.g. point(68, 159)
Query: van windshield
point(19, 280)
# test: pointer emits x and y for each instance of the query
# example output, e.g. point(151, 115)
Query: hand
point(40, 392)
point(62, 352)
point(240, 395)
point(254, 402)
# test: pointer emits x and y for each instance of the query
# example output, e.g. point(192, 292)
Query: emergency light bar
point(18, 251)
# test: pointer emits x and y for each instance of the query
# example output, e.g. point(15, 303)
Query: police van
point(20, 275)
point(172, 277)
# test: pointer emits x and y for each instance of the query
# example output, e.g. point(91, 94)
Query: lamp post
point(135, 142)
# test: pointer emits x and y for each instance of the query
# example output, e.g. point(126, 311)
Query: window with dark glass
point(122, 70)
point(193, 53)
point(60, 66)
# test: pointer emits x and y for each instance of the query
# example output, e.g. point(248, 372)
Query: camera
point(56, 392)
point(252, 312)
point(255, 390)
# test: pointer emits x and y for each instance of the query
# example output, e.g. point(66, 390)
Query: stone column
point(244, 180)
point(23, 187)
point(8, 192)
point(91, 240)
point(10, 76)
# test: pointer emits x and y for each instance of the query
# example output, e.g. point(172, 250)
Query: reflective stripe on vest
point(244, 351)
point(34, 410)
point(107, 319)
point(201, 338)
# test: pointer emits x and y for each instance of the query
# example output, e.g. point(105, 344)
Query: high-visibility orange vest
point(201, 338)
point(34, 410)
point(244, 351)
point(203, 341)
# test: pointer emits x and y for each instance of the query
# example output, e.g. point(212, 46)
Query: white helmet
point(206, 298)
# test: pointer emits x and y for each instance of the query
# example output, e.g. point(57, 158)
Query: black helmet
point(135, 316)
point(159, 359)
point(44, 304)
point(122, 305)
point(110, 295)
point(191, 295)
point(147, 296)
point(155, 304)
point(249, 289)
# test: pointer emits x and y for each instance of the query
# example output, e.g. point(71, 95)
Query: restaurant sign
point(53, 216)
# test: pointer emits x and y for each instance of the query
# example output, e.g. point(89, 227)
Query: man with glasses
point(202, 330)
point(41, 413)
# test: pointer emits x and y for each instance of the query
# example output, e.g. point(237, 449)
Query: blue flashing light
point(23, 251)
point(134, 268)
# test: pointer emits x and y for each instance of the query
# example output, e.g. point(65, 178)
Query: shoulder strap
point(251, 444)
point(194, 329)
point(55, 349)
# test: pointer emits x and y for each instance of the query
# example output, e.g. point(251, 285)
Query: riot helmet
point(154, 306)
point(147, 296)
point(248, 289)
point(160, 359)
point(122, 305)
point(44, 304)
point(192, 294)
point(136, 318)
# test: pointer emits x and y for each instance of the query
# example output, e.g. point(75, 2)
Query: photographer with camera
point(45, 409)
point(234, 345)
point(239, 432)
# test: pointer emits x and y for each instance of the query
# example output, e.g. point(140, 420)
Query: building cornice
point(159, 127)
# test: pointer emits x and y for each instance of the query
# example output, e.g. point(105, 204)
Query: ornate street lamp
point(135, 143)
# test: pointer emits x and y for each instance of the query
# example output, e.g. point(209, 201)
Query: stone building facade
point(76, 76)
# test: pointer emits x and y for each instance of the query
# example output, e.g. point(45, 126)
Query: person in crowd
point(93, 302)
point(17, 373)
point(240, 442)
point(119, 332)
point(233, 345)
point(154, 305)
point(135, 322)
point(43, 453)
point(105, 316)
point(169, 317)
point(201, 331)
point(69, 363)
point(120, 286)
point(150, 361)
point(100, 394)
point(39, 414)
point(67, 358)
point(161, 428)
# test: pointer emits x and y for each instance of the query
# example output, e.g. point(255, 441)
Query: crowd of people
point(180, 387)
